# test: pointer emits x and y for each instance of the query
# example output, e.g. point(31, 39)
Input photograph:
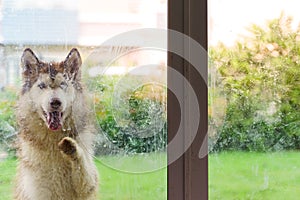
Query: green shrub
point(260, 80)
point(7, 119)
point(129, 138)
point(140, 128)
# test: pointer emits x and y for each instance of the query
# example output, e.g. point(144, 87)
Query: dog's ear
point(30, 68)
point(72, 64)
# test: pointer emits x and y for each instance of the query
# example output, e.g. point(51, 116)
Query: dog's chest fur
point(41, 160)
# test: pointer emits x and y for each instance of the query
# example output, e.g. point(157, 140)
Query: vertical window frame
point(188, 175)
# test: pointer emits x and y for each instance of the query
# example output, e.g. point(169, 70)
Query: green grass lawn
point(7, 172)
point(114, 185)
point(232, 176)
point(257, 176)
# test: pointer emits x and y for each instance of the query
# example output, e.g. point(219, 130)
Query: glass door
point(124, 76)
point(253, 99)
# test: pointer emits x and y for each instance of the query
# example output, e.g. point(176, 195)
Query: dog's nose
point(55, 103)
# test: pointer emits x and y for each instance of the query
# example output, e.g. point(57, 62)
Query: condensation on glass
point(253, 99)
point(126, 84)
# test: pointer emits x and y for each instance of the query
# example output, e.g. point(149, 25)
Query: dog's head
point(51, 86)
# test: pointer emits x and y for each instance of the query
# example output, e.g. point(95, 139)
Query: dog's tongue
point(54, 120)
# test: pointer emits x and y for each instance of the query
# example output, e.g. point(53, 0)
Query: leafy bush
point(260, 80)
point(7, 118)
point(7, 103)
point(139, 126)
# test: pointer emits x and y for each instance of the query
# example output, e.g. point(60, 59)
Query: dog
point(56, 132)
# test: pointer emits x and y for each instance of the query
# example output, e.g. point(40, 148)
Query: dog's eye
point(42, 85)
point(63, 85)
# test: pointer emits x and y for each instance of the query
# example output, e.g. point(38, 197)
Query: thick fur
point(54, 164)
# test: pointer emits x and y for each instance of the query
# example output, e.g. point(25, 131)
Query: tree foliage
point(260, 80)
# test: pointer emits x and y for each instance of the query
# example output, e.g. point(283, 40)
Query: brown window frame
point(188, 175)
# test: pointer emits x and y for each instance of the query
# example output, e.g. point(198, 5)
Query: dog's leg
point(84, 174)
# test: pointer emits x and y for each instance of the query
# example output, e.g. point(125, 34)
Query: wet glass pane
point(125, 83)
point(254, 99)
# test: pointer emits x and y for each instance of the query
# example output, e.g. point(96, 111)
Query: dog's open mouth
point(54, 120)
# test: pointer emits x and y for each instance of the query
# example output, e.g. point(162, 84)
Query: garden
point(255, 150)
point(254, 123)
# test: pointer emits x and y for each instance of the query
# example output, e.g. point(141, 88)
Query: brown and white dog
point(56, 132)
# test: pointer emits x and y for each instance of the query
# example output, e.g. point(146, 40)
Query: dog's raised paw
point(68, 146)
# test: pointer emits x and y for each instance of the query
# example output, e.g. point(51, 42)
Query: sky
point(228, 19)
